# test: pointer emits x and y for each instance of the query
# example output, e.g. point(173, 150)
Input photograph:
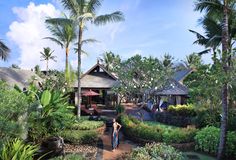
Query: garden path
point(125, 146)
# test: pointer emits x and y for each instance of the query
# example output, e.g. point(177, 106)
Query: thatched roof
point(173, 87)
point(18, 77)
point(182, 74)
point(98, 77)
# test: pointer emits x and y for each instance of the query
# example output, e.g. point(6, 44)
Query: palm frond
point(212, 7)
point(4, 51)
point(55, 40)
point(86, 41)
point(93, 5)
point(204, 52)
point(71, 6)
point(113, 17)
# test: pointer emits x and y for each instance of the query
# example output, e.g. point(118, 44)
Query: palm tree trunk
point(225, 60)
point(79, 69)
point(67, 68)
point(47, 67)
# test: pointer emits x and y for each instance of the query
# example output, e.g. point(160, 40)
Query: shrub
point(207, 117)
point(120, 109)
point(87, 125)
point(159, 132)
point(179, 135)
point(13, 108)
point(182, 110)
point(79, 137)
point(16, 149)
point(207, 140)
point(155, 151)
point(70, 157)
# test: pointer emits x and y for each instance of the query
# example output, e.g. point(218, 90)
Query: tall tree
point(47, 55)
point(110, 60)
point(4, 51)
point(63, 33)
point(84, 11)
point(223, 10)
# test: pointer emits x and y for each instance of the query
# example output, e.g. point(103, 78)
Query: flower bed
point(155, 151)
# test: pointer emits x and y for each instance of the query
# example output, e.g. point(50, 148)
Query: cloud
point(28, 31)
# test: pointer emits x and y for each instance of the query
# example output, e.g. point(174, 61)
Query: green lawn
point(161, 125)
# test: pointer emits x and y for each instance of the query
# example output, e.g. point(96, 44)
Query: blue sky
point(152, 27)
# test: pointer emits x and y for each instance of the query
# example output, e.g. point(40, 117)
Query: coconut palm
point(222, 10)
point(109, 60)
point(4, 51)
point(63, 34)
point(84, 11)
point(46, 55)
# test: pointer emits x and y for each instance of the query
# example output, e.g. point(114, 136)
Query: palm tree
point(46, 55)
point(109, 60)
point(84, 11)
point(63, 32)
point(4, 51)
point(223, 10)
point(193, 61)
point(167, 60)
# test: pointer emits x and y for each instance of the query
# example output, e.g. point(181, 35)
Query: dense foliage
point(83, 131)
point(136, 75)
point(156, 132)
point(18, 150)
point(182, 110)
point(156, 151)
point(54, 116)
point(207, 140)
point(13, 113)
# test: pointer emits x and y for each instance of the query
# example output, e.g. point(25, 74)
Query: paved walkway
point(137, 112)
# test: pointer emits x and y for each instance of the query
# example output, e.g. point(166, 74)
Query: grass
point(161, 125)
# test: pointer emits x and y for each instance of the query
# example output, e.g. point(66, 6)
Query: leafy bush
point(207, 117)
point(156, 132)
point(179, 135)
point(87, 125)
point(156, 151)
point(120, 109)
point(17, 150)
point(182, 110)
point(55, 116)
point(13, 108)
point(70, 157)
point(207, 140)
point(79, 137)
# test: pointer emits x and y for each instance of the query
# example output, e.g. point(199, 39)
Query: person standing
point(115, 134)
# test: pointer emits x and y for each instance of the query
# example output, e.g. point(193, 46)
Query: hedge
point(139, 130)
point(208, 138)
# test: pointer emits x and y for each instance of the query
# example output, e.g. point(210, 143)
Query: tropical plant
point(64, 33)
point(167, 60)
point(18, 150)
point(47, 55)
point(193, 61)
point(55, 115)
point(13, 109)
point(110, 60)
point(224, 12)
point(82, 12)
point(156, 151)
point(4, 51)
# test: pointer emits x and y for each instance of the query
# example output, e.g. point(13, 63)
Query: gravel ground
point(88, 151)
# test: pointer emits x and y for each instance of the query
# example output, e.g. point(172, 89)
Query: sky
point(151, 28)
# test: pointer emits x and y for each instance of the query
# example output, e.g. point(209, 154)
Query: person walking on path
point(115, 134)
